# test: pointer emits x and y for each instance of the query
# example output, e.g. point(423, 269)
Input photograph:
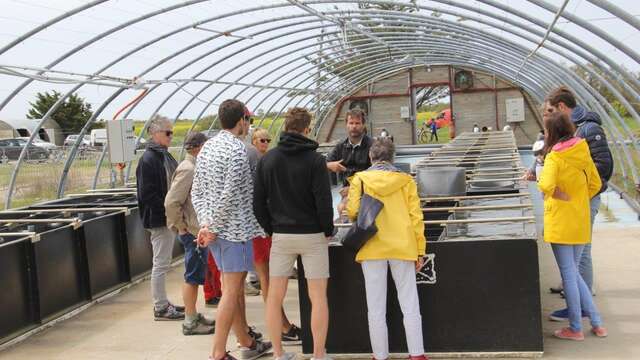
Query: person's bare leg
point(242, 312)
point(189, 296)
point(227, 311)
point(277, 290)
point(262, 269)
point(319, 315)
point(240, 326)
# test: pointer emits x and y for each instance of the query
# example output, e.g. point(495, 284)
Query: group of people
point(254, 209)
point(572, 167)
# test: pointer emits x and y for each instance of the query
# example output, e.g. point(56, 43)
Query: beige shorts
point(313, 248)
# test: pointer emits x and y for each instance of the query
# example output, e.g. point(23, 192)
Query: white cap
point(537, 146)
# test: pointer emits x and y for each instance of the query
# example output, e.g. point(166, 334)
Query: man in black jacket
point(292, 200)
point(351, 154)
point(153, 176)
point(588, 127)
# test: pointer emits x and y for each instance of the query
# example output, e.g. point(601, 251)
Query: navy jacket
point(589, 127)
point(151, 183)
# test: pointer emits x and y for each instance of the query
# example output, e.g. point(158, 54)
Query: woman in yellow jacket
point(568, 181)
point(398, 244)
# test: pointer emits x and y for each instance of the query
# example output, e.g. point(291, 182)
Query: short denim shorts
point(195, 260)
point(232, 256)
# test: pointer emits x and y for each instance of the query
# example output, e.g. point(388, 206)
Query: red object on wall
point(443, 119)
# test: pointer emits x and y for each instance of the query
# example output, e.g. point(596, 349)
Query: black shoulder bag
point(364, 227)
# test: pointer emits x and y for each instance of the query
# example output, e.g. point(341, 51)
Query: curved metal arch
point(454, 5)
point(618, 12)
point(593, 29)
point(378, 34)
point(366, 79)
point(380, 48)
point(560, 51)
point(49, 23)
point(595, 52)
point(162, 61)
point(305, 70)
point(209, 67)
point(584, 52)
point(420, 46)
point(617, 136)
point(96, 39)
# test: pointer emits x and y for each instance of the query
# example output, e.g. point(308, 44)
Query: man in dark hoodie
point(588, 127)
point(292, 200)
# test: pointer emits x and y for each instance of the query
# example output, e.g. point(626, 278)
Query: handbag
point(364, 227)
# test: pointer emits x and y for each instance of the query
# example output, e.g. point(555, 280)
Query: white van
point(98, 137)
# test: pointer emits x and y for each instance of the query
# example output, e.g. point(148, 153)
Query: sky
point(19, 16)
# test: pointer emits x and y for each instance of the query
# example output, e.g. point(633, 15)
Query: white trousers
point(375, 280)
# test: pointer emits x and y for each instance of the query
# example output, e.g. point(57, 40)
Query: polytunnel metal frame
point(535, 73)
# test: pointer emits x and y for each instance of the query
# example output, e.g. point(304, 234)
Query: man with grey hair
point(153, 179)
point(182, 219)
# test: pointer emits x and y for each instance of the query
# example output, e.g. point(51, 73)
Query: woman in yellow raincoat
point(568, 181)
point(399, 244)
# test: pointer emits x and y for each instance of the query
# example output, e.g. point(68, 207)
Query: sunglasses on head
point(265, 141)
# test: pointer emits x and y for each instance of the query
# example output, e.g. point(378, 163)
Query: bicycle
point(423, 133)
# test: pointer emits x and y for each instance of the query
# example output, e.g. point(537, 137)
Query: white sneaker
point(286, 356)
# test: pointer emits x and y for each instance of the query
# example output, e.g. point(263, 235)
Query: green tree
point(205, 123)
point(72, 115)
point(605, 92)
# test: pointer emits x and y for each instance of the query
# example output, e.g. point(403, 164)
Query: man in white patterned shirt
point(222, 195)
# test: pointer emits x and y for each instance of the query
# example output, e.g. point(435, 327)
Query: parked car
point(71, 139)
point(10, 149)
point(142, 144)
point(40, 143)
point(98, 137)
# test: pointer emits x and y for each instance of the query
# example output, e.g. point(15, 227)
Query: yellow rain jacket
point(400, 233)
point(569, 168)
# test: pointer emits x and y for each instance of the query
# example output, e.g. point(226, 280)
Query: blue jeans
point(586, 265)
point(576, 293)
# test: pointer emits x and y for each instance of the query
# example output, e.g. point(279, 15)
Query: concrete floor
point(122, 327)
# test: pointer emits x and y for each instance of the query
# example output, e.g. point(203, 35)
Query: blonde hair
point(258, 133)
